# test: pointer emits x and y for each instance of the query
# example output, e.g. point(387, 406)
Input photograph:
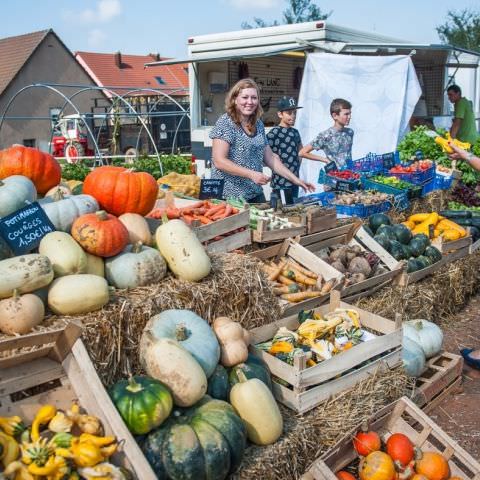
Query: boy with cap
point(285, 141)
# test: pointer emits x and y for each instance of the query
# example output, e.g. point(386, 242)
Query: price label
point(344, 186)
point(211, 188)
point(330, 167)
point(23, 229)
point(388, 160)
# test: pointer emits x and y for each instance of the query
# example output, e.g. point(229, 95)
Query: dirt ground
point(459, 414)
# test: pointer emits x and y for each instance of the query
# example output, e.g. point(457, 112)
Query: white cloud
point(105, 11)
point(96, 37)
point(254, 4)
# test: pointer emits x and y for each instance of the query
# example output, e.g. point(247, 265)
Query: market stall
point(253, 337)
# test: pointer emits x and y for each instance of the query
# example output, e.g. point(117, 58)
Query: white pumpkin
point(66, 255)
point(166, 360)
point(20, 313)
point(182, 250)
point(428, 335)
point(138, 229)
point(95, 265)
point(16, 192)
point(136, 266)
point(77, 294)
point(24, 273)
point(64, 212)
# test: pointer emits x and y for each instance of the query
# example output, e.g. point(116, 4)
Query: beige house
point(39, 58)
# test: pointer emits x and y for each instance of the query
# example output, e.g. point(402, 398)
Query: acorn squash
point(383, 241)
point(388, 231)
point(433, 253)
point(218, 384)
point(377, 220)
point(254, 367)
point(417, 245)
point(396, 250)
point(402, 233)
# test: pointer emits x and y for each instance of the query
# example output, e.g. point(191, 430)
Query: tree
point(462, 29)
point(298, 11)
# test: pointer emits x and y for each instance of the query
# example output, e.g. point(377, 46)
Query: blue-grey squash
point(413, 357)
point(16, 192)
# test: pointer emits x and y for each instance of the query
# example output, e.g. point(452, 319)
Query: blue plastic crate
point(417, 178)
point(340, 183)
point(414, 192)
point(439, 182)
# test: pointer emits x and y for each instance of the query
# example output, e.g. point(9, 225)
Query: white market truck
point(275, 58)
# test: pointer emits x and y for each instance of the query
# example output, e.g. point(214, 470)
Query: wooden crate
point(207, 234)
point(326, 238)
point(402, 416)
point(316, 219)
point(453, 245)
point(474, 246)
point(62, 372)
point(296, 252)
point(311, 386)
point(442, 376)
point(262, 235)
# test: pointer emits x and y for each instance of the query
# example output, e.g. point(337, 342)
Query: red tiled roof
point(104, 69)
point(14, 52)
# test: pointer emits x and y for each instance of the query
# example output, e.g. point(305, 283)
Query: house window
point(29, 142)
point(160, 80)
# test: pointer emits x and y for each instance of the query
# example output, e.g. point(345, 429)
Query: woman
point(240, 148)
point(471, 356)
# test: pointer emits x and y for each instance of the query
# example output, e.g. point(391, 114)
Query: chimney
point(118, 59)
point(155, 56)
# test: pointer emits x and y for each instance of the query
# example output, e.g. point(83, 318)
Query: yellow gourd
point(451, 234)
point(418, 217)
point(446, 224)
point(43, 416)
point(280, 347)
point(409, 224)
point(424, 227)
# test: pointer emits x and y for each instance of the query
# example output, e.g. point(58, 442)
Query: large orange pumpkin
point(100, 234)
point(120, 191)
point(433, 465)
point(376, 466)
point(366, 442)
point(400, 448)
point(40, 167)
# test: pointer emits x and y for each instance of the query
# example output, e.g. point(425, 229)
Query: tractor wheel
point(74, 150)
point(131, 155)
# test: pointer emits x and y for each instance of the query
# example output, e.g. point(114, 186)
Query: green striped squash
point(254, 367)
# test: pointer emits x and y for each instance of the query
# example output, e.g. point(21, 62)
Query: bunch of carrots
point(295, 283)
point(203, 211)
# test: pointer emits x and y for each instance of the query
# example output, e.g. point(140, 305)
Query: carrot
point(300, 296)
point(214, 210)
point(235, 210)
point(278, 270)
point(327, 286)
point(203, 219)
point(172, 213)
point(188, 219)
point(286, 289)
point(156, 213)
point(285, 280)
point(301, 269)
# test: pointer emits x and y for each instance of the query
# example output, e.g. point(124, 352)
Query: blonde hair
point(231, 108)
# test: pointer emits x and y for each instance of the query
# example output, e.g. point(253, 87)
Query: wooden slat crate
point(316, 219)
point(407, 278)
point(207, 234)
point(474, 246)
point(442, 376)
point(262, 235)
point(293, 250)
point(59, 367)
point(402, 416)
point(326, 238)
point(310, 386)
point(446, 247)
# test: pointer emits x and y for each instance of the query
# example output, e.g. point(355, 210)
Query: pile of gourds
point(176, 182)
point(102, 239)
point(194, 414)
point(399, 458)
point(435, 226)
point(58, 445)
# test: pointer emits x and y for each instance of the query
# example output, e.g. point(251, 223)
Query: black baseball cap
point(287, 103)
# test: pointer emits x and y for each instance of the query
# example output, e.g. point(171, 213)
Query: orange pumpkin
point(377, 466)
point(400, 448)
point(40, 167)
point(344, 475)
point(366, 442)
point(433, 465)
point(120, 191)
point(100, 234)
point(417, 476)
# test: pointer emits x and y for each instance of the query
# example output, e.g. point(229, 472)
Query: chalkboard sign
point(330, 167)
point(388, 160)
point(419, 155)
point(23, 229)
point(344, 186)
point(211, 188)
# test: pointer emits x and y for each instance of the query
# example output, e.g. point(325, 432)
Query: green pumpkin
point(402, 233)
point(388, 231)
point(206, 441)
point(254, 367)
point(144, 403)
point(368, 230)
point(407, 251)
point(396, 250)
point(377, 220)
point(218, 385)
point(424, 261)
point(383, 241)
point(433, 253)
point(412, 265)
point(417, 245)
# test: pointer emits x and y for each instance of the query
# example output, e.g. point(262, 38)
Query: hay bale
point(308, 436)
point(236, 288)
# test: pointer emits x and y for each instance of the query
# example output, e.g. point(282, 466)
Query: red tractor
point(70, 140)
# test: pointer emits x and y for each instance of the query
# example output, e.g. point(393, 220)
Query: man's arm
point(459, 116)
point(456, 124)
point(305, 153)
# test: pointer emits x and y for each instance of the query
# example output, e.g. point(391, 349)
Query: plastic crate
point(415, 191)
point(370, 164)
point(417, 178)
point(439, 182)
point(339, 183)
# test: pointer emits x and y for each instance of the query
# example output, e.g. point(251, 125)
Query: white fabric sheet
point(383, 92)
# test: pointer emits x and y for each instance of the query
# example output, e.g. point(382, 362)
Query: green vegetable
point(418, 140)
point(402, 233)
point(75, 171)
point(377, 220)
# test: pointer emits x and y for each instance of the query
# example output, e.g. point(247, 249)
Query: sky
point(149, 26)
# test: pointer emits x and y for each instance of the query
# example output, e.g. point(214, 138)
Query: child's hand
point(259, 178)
